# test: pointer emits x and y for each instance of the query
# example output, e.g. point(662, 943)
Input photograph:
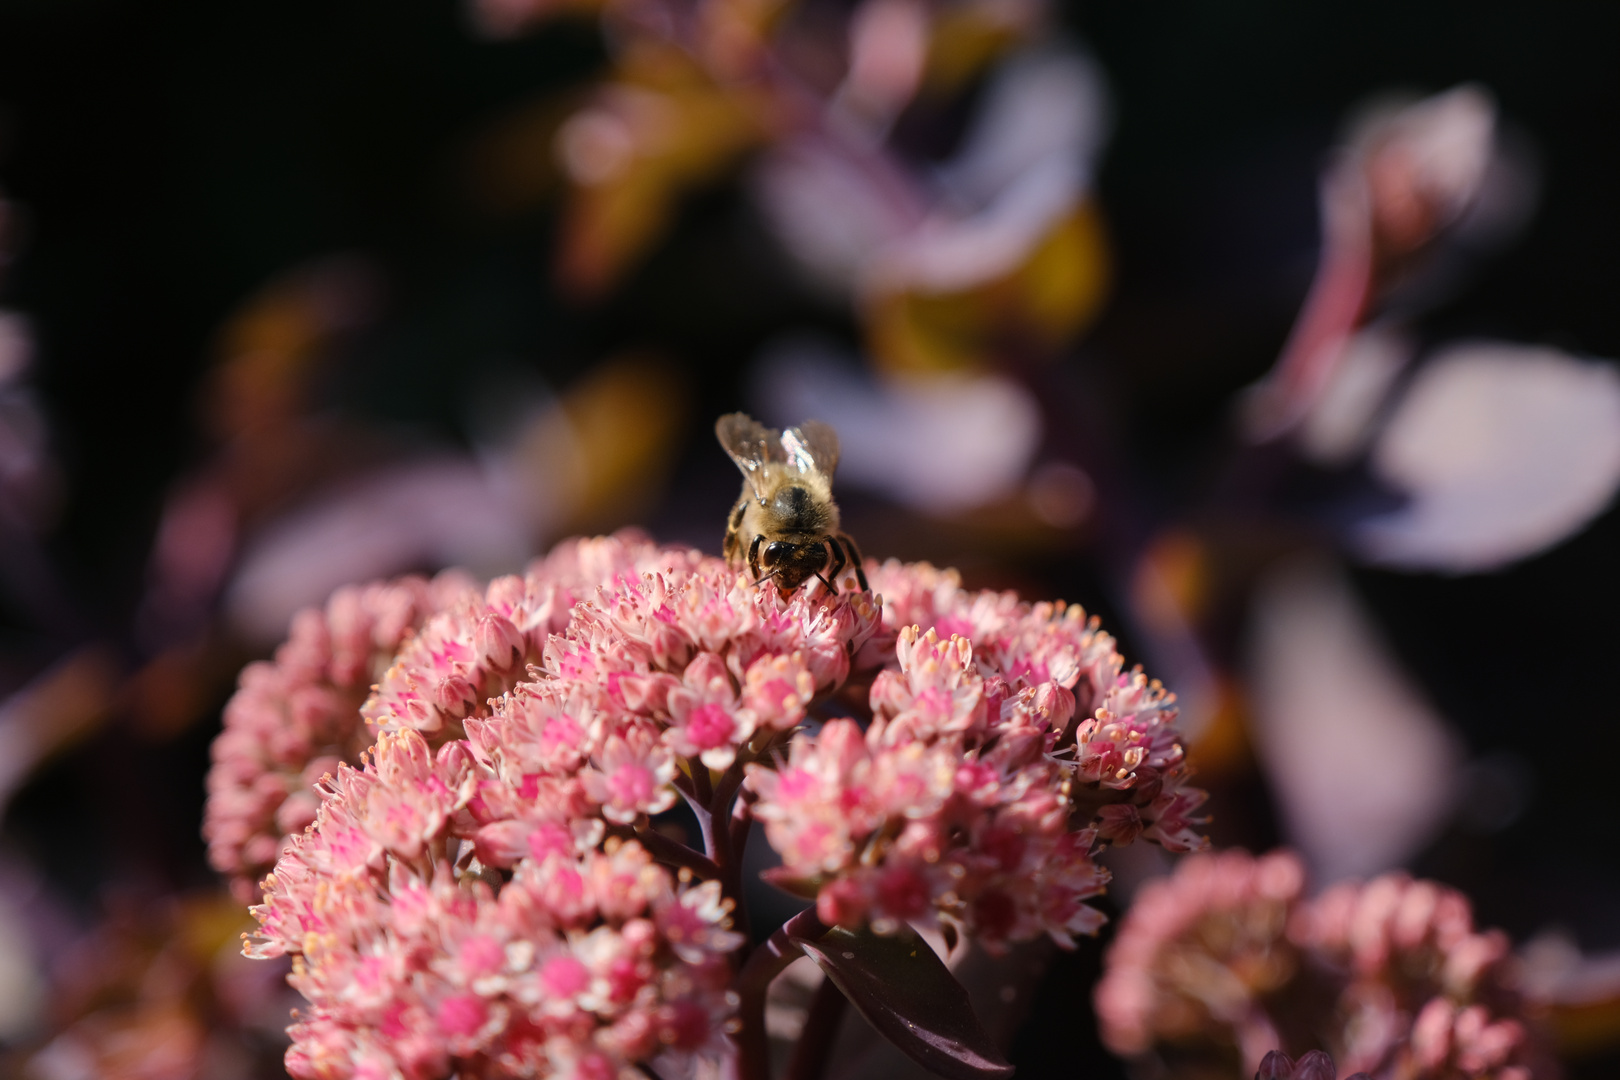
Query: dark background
point(170, 157)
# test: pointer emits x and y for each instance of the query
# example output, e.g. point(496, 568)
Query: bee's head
point(790, 563)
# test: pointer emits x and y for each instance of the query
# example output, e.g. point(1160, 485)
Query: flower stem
point(726, 790)
point(763, 965)
point(731, 870)
point(674, 853)
point(705, 820)
point(721, 840)
point(742, 818)
point(702, 790)
point(814, 1048)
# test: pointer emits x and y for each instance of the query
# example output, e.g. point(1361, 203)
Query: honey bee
point(785, 523)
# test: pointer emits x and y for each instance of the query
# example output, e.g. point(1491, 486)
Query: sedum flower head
point(973, 796)
point(297, 717)
point(1226, 960)
point(482, 892)
point(419, 961)
point(294, 719)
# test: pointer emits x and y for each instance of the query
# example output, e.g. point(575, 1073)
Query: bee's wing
point(750, 444)
point(812, 447)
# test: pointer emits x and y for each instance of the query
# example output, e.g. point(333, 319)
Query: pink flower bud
point(1431, 1033)
point(454, 693)
point(1119, 822)
point(1057, 703)
point(497, 643)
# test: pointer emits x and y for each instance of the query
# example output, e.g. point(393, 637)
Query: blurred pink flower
point(1226, 960)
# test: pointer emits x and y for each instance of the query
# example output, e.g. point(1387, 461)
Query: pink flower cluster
point(1129, 764)
point(480, 647)
point(419, 962)
point(949, 804)
point(1226, 960)
point(466, 910)
point(974, 796)
point(486, 894)
point(1197, 950)
point(294, 719)
point(1410, 950)
point(405, 642)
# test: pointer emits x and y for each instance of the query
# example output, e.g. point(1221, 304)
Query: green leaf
point(911, 998)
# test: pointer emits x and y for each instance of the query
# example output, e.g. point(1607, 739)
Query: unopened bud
point(499, 643)
point(1119, 822)
point(454, 693)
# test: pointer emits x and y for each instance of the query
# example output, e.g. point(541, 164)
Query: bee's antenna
point(830, 586)
point(767, 577)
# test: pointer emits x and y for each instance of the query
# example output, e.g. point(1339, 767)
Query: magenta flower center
point(462, 1015)
point(481, 955)
point(632, 785)
point(550, 840)
point(564, 977)
point(709, 726)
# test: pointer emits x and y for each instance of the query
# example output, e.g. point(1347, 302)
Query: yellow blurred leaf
point(1586, 1027)
point(205, 923)
point(58, 708)
point(609, 443)
point(270, 347)
point(967, 38)
point(1035, 308)
point(659, 130)
point(732, 34)
point(1065, 281)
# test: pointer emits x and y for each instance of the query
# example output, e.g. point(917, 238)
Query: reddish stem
point(674, 853)
point(705, 820)
point(764, 965)
point(702, 789)
point(731, 873)
point(814, 1048)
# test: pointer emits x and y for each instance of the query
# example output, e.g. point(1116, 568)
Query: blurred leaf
point(968, 38)
point(1577, 994)
point(1063, 284)
point(660, 129)
point(53, 711)
point(1363, 768)
point(911, 998)
point(275, 344)
point(733, 35)
point(603, 450)
point(1503, 451)
point(1038, 305)
point(943, 443)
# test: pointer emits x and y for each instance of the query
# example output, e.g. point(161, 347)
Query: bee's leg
point(855, 560)
point(836, 561)
point(753, 557)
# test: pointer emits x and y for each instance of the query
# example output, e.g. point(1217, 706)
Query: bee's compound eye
point(775, 552)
